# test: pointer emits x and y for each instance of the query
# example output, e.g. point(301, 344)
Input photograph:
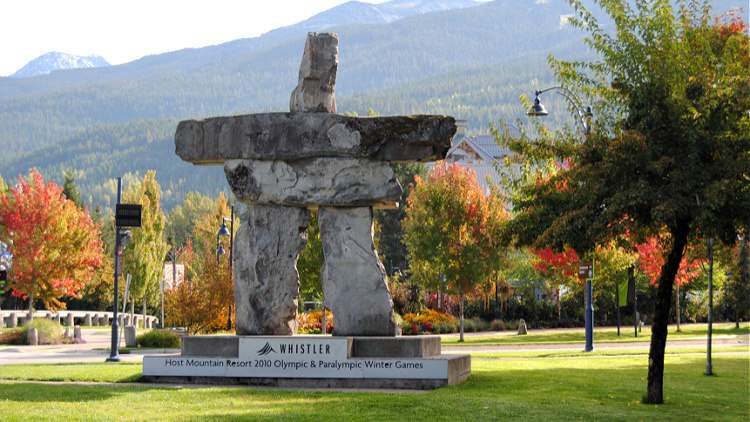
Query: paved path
point(724, 341)
point(98, 342)
point(91, 351)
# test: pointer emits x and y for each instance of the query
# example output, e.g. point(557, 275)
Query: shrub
point(13, 337)
point(409, 329)
point(480, 324)
point(315, 328)
point(469, 325)
point(53, 329)
point(159, 339)
point(445, 327)
point(498, 325)
point(427, 316)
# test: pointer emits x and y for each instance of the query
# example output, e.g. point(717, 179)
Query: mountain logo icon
point(266, 350)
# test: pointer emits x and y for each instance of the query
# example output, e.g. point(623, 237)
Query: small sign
point(128, 215)
point(585, 270)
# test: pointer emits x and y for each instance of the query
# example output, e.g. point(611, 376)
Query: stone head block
point(317, 75)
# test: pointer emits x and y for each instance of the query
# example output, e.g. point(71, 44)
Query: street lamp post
point(114, 354)
point(173, 257)
point(220, 250)
point(223, 231)
point(583, 114)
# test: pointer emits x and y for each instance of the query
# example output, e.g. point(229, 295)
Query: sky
point(123, 31)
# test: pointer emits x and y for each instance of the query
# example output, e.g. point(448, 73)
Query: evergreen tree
point(70, 190)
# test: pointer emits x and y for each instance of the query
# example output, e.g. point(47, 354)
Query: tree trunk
point(461, 306)
point(662, 306)
point(31, 302)
point(559, 305)
point(144, 311)
point(677, 305)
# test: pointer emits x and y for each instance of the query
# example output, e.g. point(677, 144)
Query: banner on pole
point(623, 293)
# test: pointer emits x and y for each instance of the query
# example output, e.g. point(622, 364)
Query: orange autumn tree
point(203, 300)
point(55, 245)
point(452, 231)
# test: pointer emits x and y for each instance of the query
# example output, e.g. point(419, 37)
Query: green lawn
point(607, 352)
point(558, 389)
point(601, 335)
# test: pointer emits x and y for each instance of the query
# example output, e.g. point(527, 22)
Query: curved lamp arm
point(582, 113)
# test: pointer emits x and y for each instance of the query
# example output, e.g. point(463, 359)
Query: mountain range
point(456, 57)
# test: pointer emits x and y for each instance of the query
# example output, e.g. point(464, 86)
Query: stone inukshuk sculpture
point(281, 165)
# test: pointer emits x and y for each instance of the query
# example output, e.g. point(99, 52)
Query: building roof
point(486, 152)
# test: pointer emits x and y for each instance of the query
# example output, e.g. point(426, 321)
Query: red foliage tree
point(651, 259)
point(558, 267)
point(55, 245)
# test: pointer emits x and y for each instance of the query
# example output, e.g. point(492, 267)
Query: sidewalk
point(99, 341)
point(96, 349)
point(701, 342)
point(730, 341)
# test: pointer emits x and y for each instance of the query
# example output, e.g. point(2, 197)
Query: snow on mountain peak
point(52, 61)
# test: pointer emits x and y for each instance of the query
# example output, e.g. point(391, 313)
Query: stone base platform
point(310, 362)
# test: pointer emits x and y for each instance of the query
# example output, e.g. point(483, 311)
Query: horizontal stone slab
point(293, 136)
point(314, 182)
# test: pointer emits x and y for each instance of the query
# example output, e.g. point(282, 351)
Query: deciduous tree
point(55, 245)
point(452, 231)
point(669, 147)
point(651, 259)
point(180, 222)
point(202, 302)
point(144, 256)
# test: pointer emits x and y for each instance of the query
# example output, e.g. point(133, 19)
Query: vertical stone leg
point(266, 281)
point(354, 280)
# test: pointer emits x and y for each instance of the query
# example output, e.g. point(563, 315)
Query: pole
point(231, 243)
point(589, 317)
point(709, 369)
point(635, 302)
point(617, 304)
point(162, 303)
point(114, 355)
point(497, 311)
point(218, 245)
point(324, 320)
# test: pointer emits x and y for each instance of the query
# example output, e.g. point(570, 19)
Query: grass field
point(560, 389)
point(601, 335)
point(553, 385)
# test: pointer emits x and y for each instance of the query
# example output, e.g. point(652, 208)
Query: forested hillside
point(100, 153)
point(471, 63)
point(370, 57)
